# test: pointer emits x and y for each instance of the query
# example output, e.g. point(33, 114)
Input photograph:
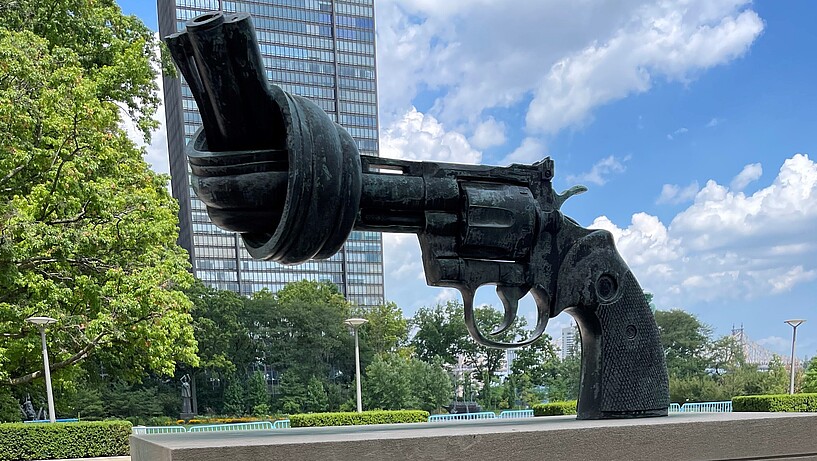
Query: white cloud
point(601, 171)
point(748, 175)
point(728, 245)
point(419, 136)
point(675, 194)
point(489, 133)
point(530, 150)
point(775, 342)
point(571, 57)
point(677, 132)
point(714, 122)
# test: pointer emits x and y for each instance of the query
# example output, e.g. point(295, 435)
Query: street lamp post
point(41, 322)
point(794, 324)
point(354, 323)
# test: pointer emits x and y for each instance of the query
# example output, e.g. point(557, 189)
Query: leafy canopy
point(87, 231)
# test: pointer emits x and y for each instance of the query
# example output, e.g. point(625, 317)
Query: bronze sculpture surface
point(275, 168)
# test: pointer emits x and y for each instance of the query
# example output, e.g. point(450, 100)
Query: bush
point(354, 418)
point(9, 407)
point(19, 441)
point(555, 408)
point(781, 402)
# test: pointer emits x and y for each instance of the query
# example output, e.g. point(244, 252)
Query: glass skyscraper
point(323, 50)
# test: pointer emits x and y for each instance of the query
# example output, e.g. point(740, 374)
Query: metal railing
point(252, 426)
point(706, 407)
point(674, 408)
point(281, 424)
point(158, 429)
point(63, 420)
point(516, 414)
point(463, 416)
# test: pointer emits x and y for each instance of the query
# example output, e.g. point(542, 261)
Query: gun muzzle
point(270, 165)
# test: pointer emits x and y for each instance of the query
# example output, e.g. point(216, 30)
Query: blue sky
point(692, 123)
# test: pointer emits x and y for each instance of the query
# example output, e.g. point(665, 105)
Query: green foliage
point(555, 408)
point(395, 382)
point(84, 401)
point(299, 332)
point(114, 50)
point(20, 441)
point(440, 332)
point(9, 407)
point(442, 335)
point(685, 340)
point(131, 402)
point(221, 333)
point(386, 329)
point(354, 419)
point(388, 384)
point(234, 397)
point(562, 377)
point(316, 398)
point(87, 231)
point(430, 384)
point(810, 376)
point(257, 393)
point(293, 393)
point(781, 402)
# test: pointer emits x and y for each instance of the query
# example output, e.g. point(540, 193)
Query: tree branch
point(81, 354)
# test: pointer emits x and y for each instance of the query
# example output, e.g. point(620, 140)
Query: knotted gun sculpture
point(275, 168)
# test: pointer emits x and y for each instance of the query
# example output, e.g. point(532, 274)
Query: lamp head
point(355, 322)
point(41, 320)
point(795, 322)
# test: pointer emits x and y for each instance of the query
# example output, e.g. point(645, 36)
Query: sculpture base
point(186, 416)
point(680, 436)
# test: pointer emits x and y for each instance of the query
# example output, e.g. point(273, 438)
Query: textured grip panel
point(633, 374)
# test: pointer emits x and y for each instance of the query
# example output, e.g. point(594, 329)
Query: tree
point(810, 376)
point(87, 231)
point(300, 330)
point(430, 384)
point(386, 329)
point(115, 51)
point(686, 342)
point(396, 382)
point(440, 332)
point(293, 392)
point(225, 346)
point(257, 400)
point(234, 402)
point(316, 398)
point(223, 340)
point(388, 384)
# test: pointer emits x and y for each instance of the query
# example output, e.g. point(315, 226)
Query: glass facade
point(323, 50)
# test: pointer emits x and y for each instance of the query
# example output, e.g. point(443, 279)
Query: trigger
point(510, 296)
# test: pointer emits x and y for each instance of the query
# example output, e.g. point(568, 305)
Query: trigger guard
point(542, 308)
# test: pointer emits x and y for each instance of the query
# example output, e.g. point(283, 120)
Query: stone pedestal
point(681, 436)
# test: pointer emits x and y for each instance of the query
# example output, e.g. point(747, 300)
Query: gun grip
point(624, 374)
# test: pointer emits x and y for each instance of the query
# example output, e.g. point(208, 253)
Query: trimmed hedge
point(354, 418)
point(19, 441)
point(780, 402)
point(555, 408)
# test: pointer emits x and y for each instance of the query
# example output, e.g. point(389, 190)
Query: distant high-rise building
point(567, 346)
point(320, 49)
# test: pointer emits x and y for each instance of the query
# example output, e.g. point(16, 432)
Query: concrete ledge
point(698, 436)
